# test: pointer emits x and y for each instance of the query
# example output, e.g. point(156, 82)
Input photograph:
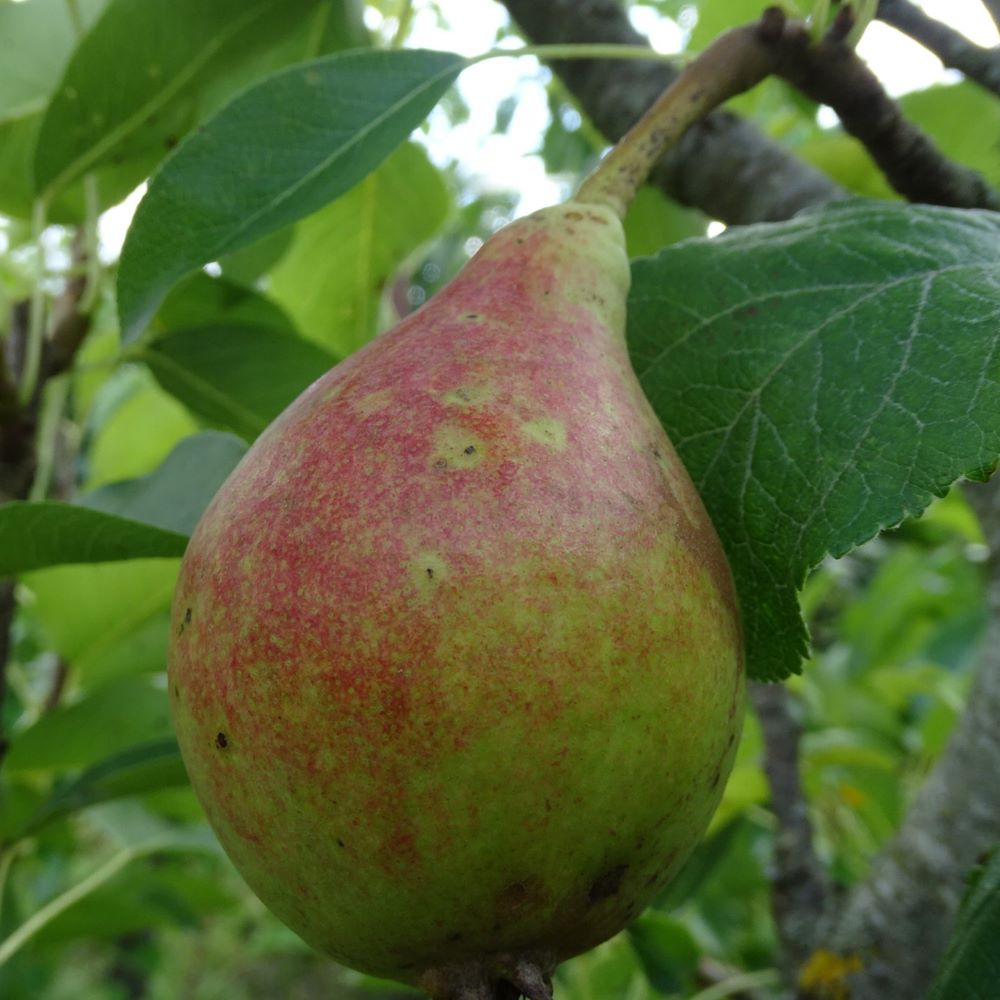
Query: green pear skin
point(457, 669)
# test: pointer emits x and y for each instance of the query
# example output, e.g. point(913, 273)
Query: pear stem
point(734, 62)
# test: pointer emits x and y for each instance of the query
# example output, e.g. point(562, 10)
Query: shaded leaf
point(50, 533)
point(668, 952)
point(653, 221)
point(118, 93)
point(106, 620)
point(254, 167)
point(36, 40)
point(971, 966)
point(201, 300)
point(822, 379)
point(344, 255)
point(114, 716)
point(175, 495)
point(236, 377)
point(146, 767)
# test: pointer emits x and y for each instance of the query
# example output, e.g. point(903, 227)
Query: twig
point(950, 46)
point(897, 922)
point(831, 73)
point(828, 72)
point(723, 165)
point(800, 885)
point(19, 415)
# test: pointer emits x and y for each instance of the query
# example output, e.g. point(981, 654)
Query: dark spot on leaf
point(455, 936)
point(221, 741)
point(651, 880)
point(717, 776)
point(606, 884)
point(430, 573)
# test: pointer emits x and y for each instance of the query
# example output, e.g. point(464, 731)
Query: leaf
point(971, 966)
point(114, 716)
point(36, 40)
point(822, 379)
point(653, 221)
point(175, 495)
point(668, 952)
point(201, 300)
point(118, 91)
point(236, 377)
point(154, 836)
point(137, 426)
point(106, 620)
point(946, 111)
point(255, 167)
point(138, 769)
point(50, 533)
point(345, 254)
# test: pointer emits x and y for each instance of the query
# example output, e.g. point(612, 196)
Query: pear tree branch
point(898, 921)
point(950, 46)
point(799, 885)
point(723, 165)
point(19, 419)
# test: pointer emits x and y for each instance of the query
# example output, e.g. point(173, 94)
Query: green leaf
point(36, 40)
point(946, 111)
point(971, 966)
point(118, 93)
point(175, 495)
point(201, 300)
point(236, 377)
point(139, 769)
point(50, 533)
point(654, 221)
point(345, 254)
point(114, 716)
point(106, 620)
point(668, 952)
point(137, 426)
point(255, 167)
point(822, 379)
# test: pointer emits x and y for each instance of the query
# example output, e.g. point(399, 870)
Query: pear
point(457, 669)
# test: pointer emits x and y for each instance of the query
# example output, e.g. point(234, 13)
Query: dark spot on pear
point(340, 843)
point(221, 741)
point(717, 776)
point(471, 316)
point(455, 936)
point(606, 884)
point(177, 691)
point(441, 463)
point(187, 617)
point(470, 450)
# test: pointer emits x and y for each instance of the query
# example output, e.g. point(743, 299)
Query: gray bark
point(723, 166)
